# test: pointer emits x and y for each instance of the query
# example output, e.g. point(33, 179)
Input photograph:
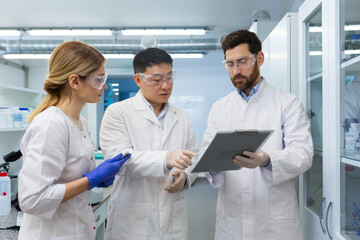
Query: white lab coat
point(261, 203)
point(55, 152)
point(140, 208)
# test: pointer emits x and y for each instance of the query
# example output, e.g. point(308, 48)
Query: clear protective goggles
point(241, 63)
point(97, 81)
point(156, 80)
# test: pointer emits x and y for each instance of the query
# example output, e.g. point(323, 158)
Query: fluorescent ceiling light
point(9, 33)
point(352, 27)
point(187, 55)
point(315, 29)
point(163, 31)
point(115, 89)
point(70, 32)
point(119, 56)
point(319, 53)
point(116, 93)
point(315, 53)
point(115, 84)
point(27, 56)
point(346, 28)
point(357, 51)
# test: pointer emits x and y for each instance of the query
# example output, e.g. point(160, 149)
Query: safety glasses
point(97, 81)
point(241, 63)
point(156, 80)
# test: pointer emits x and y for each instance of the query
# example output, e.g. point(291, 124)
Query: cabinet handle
point(327, 220)
point(321, 214)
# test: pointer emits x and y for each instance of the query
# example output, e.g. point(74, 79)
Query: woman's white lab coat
point(140, 208)
point(261, 203)
point(55, 152)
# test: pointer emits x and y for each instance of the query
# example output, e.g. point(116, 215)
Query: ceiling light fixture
point(70, 32)
point(352, 27)
point(346, 28)
point(351, 51)
point(119, 56)
point(187, 55)
point(169, 31)
point(27, 56)
point(9, 33)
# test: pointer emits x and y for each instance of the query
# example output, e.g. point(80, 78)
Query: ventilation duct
point(111, 46)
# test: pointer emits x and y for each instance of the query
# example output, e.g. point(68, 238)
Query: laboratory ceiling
point(222, 16)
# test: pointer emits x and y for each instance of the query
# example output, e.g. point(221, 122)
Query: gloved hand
point(106, 170)
point(179, 158)
point(252, 160)
point(106, 183)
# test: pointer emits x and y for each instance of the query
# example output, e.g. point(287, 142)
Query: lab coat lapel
point(170, 120)
point(147, 113)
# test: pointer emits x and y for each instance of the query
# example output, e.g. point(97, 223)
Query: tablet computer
point(225, 145)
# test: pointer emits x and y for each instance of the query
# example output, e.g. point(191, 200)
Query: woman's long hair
point(68, 58)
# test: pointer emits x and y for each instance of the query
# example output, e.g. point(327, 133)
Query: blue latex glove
point(106, 183)
point(106, 170)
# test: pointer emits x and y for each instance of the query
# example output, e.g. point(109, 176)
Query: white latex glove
point(179, 182)
point(179, 158)
point(251, 159)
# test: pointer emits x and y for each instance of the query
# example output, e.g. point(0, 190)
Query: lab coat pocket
point(283, 202)
point(130, 220)
point(179, 220)
point(70, 237)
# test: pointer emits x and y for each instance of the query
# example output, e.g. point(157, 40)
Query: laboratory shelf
point(352, 64)
point(315, 78)
point(12, 129)
point(10, 90)
point(352, 159)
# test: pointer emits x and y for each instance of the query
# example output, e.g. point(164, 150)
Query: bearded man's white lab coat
point(140, 208)
point(261, 203)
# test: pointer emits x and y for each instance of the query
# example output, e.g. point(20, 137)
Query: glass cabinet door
point(350, 118)
point(314, 177)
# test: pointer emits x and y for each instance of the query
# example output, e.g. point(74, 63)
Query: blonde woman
point(58, 163)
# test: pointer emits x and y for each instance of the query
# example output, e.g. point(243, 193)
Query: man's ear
point(74, 81)
point(260, 58)
point(137, 80)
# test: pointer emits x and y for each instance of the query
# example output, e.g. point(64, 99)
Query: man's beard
point(249, 81)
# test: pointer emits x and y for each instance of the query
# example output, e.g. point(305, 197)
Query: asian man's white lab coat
point(261, 203)
point(140, 208)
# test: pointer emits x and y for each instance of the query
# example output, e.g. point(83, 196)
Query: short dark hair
point(150, 57)
point(238, 37)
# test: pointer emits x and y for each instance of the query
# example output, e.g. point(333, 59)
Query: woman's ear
point(74, 81)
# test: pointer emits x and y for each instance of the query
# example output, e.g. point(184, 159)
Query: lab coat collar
point(170, 116)
point(140, 105)
point(171, 119)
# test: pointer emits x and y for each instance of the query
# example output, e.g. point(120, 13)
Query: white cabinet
point(10, 138)
point(281, 57)
point(329, 75)
point(262, 28)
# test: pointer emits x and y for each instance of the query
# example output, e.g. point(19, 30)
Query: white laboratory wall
point(12, 76)
point(198, 84)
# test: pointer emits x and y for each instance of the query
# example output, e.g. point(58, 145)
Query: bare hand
point(179, 181)
point(179, 158)
point(251, 159)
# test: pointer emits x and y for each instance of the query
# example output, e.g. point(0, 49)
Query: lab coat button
point(94, 228)
point(89, 204)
